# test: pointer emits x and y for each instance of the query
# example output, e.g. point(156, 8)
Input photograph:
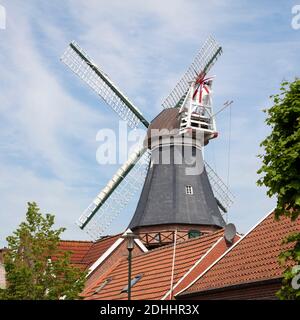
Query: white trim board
point(192, 268)
point(111, 249)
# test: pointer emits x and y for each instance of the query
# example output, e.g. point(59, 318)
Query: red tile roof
point(77, 248)
point(253, 258)
point(156, 268)
point(98, 248)
point(85, 253)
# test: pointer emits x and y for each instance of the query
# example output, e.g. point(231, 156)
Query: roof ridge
point(103, 276)
point(91, 241)
point(84, 241)
point(94, 243)
point(107, 237)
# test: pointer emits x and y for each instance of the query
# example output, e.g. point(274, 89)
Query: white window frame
point(189, 190)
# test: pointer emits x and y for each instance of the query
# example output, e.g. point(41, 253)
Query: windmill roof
point(155, 267)
point(252, 259)
point(166, 119)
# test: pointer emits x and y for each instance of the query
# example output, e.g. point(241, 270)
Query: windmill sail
point(82, 65)
point(202, 63)
point(117, 193)
point(221, 191)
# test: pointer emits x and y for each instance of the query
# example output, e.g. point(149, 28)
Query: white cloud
point(42, 129)
point(49, 121)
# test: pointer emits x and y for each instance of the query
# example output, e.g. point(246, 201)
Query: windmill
point(187, 110)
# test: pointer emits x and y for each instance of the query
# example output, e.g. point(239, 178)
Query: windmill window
point(132, 283)
point(102, 285)
point(194, 234)
point(194, 151)
point(189, 190)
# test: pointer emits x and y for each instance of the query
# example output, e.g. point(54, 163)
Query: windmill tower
point(180, 192)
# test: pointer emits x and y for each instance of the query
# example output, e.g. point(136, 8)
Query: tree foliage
point(281, 172)
point(35, 268)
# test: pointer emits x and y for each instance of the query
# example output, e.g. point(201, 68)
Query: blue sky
point(49, 119)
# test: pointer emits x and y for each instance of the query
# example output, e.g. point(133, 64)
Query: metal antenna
point(225, 105)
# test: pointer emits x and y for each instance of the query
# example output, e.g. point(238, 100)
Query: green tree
point(281, 173)
point(35, 268)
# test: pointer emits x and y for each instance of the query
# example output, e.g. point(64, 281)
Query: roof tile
point(253, 258)
point(85, 253)
point(156, 268)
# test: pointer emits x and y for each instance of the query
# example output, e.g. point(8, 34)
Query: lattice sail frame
point(205, 59)
point(83, 66)
point(221, 191)
point(118, 199)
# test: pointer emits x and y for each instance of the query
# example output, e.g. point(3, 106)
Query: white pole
point(173, 266)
